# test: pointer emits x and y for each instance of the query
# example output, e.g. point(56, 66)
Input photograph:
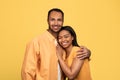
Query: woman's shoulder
point(75, 48)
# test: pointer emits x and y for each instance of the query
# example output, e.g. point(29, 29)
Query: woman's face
point(65, 38)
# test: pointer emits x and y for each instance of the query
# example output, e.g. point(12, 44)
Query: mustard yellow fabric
point(40, 62)
point(84, 73)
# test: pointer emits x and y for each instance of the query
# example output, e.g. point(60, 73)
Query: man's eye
point(59, 19)
point(52, 19)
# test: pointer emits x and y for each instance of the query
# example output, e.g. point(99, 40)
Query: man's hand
point(83, 53)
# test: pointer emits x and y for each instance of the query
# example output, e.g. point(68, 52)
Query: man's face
point(55, 21)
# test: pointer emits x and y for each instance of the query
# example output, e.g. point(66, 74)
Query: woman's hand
point(59, 51)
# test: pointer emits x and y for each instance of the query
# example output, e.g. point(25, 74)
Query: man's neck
point(53, 33)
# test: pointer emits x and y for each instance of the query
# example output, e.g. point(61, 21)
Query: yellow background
point(96, 22)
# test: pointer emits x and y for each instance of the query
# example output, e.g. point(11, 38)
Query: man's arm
point(83, 53)
point(28, 71)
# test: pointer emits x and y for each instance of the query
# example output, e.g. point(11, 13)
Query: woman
point(73, 67)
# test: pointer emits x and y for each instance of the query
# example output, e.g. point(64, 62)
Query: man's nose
point(56, 22)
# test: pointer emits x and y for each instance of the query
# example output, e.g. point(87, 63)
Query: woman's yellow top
point(84, 73)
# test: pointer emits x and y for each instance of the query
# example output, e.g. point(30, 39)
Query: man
point(40, 61)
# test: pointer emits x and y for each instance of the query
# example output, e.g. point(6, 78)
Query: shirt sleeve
point(28, 71)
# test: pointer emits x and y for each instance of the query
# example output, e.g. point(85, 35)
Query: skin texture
point(55, 22)
point(65, 40)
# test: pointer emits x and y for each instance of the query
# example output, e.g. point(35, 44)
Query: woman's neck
point(68, 50)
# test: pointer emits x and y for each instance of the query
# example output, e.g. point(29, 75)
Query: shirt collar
point(51, 37)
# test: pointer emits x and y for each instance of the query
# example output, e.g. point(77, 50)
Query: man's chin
point(56, 31)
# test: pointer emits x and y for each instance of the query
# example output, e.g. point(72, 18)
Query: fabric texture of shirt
point(40, 61)
point(84, 73)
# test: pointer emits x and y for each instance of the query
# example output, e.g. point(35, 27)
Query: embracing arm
point(72, 71)
point(83, 53)
point(28, 71)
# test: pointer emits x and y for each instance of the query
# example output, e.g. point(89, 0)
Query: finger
point(83, 46)
point(82, 57)
point(79, 54)
point(82, 54)
point(80, 50)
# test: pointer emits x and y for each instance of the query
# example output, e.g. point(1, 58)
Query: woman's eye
point(66, 36)
point(59, 37)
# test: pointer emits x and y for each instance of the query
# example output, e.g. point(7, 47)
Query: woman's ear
point(72, 38)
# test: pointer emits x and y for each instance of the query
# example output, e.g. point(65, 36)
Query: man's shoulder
point(39, 38)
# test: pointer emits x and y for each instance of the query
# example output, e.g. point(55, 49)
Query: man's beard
point(53, 30)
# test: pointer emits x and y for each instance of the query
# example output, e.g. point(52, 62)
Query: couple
point(40, 61)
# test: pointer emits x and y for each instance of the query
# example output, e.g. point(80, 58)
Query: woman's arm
point(72, 71)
